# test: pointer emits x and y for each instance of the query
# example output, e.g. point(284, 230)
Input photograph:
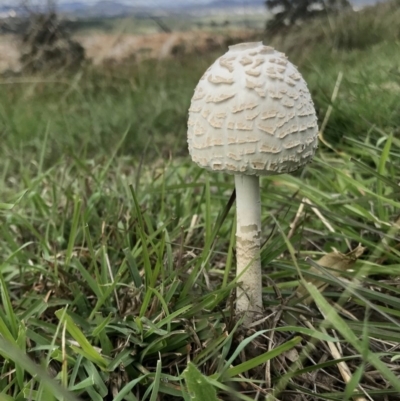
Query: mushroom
point(251, 115)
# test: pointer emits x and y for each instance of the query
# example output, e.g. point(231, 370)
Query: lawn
point(117, 274)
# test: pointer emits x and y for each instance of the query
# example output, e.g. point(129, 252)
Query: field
point(117, 40)
point(117, 275)
point(218, 21)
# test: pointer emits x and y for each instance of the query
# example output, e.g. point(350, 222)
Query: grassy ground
point(118, 253)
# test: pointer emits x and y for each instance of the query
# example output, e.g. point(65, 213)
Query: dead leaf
point(337, 263)
point(292, 355)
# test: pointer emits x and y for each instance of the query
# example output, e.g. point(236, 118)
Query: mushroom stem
point(248, 232)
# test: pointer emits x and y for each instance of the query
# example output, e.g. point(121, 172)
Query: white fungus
point(252, 95)
point(251, 115)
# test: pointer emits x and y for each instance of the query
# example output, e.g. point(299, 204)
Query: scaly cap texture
point(252, 113)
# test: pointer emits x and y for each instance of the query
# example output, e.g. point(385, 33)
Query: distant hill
point(114, 8)
point(103, 8)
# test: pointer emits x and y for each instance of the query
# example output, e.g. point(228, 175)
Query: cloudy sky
point(130, 2)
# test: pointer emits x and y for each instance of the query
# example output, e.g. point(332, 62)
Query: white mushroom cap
point(252, 114)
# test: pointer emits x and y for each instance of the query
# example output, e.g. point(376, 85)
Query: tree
point(290, 12)
point(46, 44)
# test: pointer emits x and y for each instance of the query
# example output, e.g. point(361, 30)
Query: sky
point(130, 2)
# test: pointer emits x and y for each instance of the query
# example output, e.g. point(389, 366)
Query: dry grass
point(9, 53)
point(105, 48)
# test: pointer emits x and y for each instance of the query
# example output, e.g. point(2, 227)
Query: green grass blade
point(156, 382)
point(340, 325)
point(10, 351)
point(74, 229)
point(80, 338)
point(128, 387)
point(9, 311)
point(199, 387)
point(259, 360)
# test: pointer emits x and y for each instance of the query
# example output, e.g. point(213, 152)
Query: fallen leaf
point(337, 263)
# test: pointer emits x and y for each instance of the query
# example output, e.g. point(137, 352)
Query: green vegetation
point(291, 13)
point(117, 251)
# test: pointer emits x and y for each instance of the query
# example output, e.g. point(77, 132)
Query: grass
point(117, 269)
